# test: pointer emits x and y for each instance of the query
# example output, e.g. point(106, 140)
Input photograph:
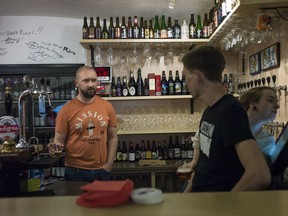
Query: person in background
point(229, 158)
point(86, 129)
point(261, 106)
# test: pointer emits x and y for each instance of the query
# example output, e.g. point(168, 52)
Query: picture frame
point(255, 63)
point(270, 57)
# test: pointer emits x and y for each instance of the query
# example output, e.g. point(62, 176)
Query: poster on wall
point(40, 40)
point(270, 57)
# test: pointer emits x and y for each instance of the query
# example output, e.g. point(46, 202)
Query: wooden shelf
point(168, 97)
point(140, 43)
point(136, 132)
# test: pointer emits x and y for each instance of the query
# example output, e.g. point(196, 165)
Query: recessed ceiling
point(104, 8)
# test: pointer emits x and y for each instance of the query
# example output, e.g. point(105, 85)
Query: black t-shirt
point(222, 126)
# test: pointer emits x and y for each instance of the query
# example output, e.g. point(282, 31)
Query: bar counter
point(264, 203)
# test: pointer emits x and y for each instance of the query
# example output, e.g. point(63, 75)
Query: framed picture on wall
point(255, 64)
point(270, 57)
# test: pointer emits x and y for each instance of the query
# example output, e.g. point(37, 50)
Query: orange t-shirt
point(86, 128)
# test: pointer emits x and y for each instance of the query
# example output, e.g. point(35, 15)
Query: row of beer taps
point(244, 86)
point(31, 90)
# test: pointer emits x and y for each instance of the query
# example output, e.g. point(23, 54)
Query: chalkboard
point(40, 40)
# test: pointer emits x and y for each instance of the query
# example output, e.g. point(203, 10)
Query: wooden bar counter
point(264, 203)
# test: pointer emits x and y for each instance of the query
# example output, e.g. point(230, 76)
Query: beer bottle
point(159, 151)
point(148, 151)
point(142, 29)
point(183, 149)
point(98, 29)
point(205, 26)
point(104, 33)
point(123, 29)
point(184, 87)
point(192, 27)
point(113, 88)
point(85, 29)
point(131, 154)
point(143, 150)
point(176, 29)
point(111, 29)
point(119, 152)
point(177, 148)
point(199, 28)
point(117, 29)
point(154, 150)
point(118, 87)
point(184, 30)
point(189, 149)
point(177, 84)
point(135, 31)
point(151, 30)
point(170, 29)
point(171, 87)
point(91, 33)
point(164, 84)
point(165, 150)
point(132, 84)
point(124, 151)
point(171, 149)
point(146, 30)
point(146, 87)
point(8, 101)
point(163, 31)
point(156, 28)
point(129, 28)
point(137, 152)
point(125, 90)
point(140, 84)
point(224, 10)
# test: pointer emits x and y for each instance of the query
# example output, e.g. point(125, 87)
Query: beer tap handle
point(248, 85)
point(263, 81)
point(259, 82)
point(274, 80)
point(251, 83)
point(268, 79)
point(255, 82)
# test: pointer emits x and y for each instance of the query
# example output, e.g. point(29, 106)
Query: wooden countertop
point(264, 203)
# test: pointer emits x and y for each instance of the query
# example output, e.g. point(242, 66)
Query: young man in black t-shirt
point(230, 159)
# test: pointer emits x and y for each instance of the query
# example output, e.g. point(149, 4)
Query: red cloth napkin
point(105, 193)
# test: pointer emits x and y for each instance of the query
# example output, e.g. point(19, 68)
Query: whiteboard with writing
point(40, 40)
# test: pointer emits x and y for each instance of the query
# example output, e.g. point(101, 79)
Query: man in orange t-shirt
point(86, 129)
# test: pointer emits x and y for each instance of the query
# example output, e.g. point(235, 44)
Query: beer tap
point(259, 82)
point(30, 84)
point(255, 82)
point(248, 85)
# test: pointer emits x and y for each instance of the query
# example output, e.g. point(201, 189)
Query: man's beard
point(89, 93)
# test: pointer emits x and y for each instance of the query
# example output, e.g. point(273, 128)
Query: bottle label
point(132, 91)
point(177, 88)
point(163, 33)
point(125, 92)
point(205, 31)
point(192, 31)
point(170, 33)
point(131, 156)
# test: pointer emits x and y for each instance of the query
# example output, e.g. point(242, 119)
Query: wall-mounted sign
point(104, 73)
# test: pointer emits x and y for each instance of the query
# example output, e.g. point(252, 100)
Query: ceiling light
point(171, 4)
